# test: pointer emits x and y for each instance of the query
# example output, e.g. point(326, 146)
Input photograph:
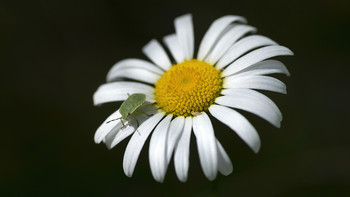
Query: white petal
point(173, 45)
point(136, 143)
point(184, 31)
point(237, 123)
point(175, 130)
point(248, 93)
point(213, 33)
point(224, 162)
point(132, 63)
point(254, 102)
point(255, 57)
point(206, 144)
point(226, 41)
point(157, 149)
point(117, 135)
point(105, 128)
point(264, 68)
point(119, 91)
point(138, 74)
point(243, 46)
point(255, 82)
point(182, 151)
point(155, 52)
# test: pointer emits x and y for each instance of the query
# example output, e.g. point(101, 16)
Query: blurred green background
point(54, 55)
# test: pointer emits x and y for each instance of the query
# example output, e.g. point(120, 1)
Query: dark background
point(54, 55)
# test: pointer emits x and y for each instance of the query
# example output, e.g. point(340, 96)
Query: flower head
point(230, 66)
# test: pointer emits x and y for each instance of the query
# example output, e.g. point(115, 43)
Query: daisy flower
point(231, 64)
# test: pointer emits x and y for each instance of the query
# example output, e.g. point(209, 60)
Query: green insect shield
point(132, 103)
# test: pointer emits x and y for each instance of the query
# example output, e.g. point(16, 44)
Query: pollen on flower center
point(188, 87)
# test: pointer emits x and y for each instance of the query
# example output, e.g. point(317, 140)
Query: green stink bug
point(129, 106)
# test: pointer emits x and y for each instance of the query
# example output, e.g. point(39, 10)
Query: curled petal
point(255, 57)
point(132, 63)
point(206, 144)
point(254, 102)
point(105, 128)
point(214, 32)
point(224, 163)
point(157, 149)
point(138, 74)
point(256, 82)
point(243, 46)
point(227, 40)
point(264, 68)
point(182, 151)
point(175, 131)
point(119, 133)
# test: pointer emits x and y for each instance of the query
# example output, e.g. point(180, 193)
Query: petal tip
point(109, 146)
point(288, 51)
point(188, 15)
point(228, 172)
point(97, 138)
point(256, 149)
point(127, 171)
point(183, 180)
point(211, 177)
point(278, 125)
point(159, 179)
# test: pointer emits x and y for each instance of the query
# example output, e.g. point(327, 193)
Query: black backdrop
point(54, 54)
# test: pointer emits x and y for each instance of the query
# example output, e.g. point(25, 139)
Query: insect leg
point(142, 112)
point(142, 107)
point(138, 124)
point(122, 123)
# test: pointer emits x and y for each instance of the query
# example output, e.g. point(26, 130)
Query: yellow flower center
point(188, 88)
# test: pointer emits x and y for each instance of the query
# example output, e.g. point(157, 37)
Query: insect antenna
point(112, 120)
point(138, 124)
